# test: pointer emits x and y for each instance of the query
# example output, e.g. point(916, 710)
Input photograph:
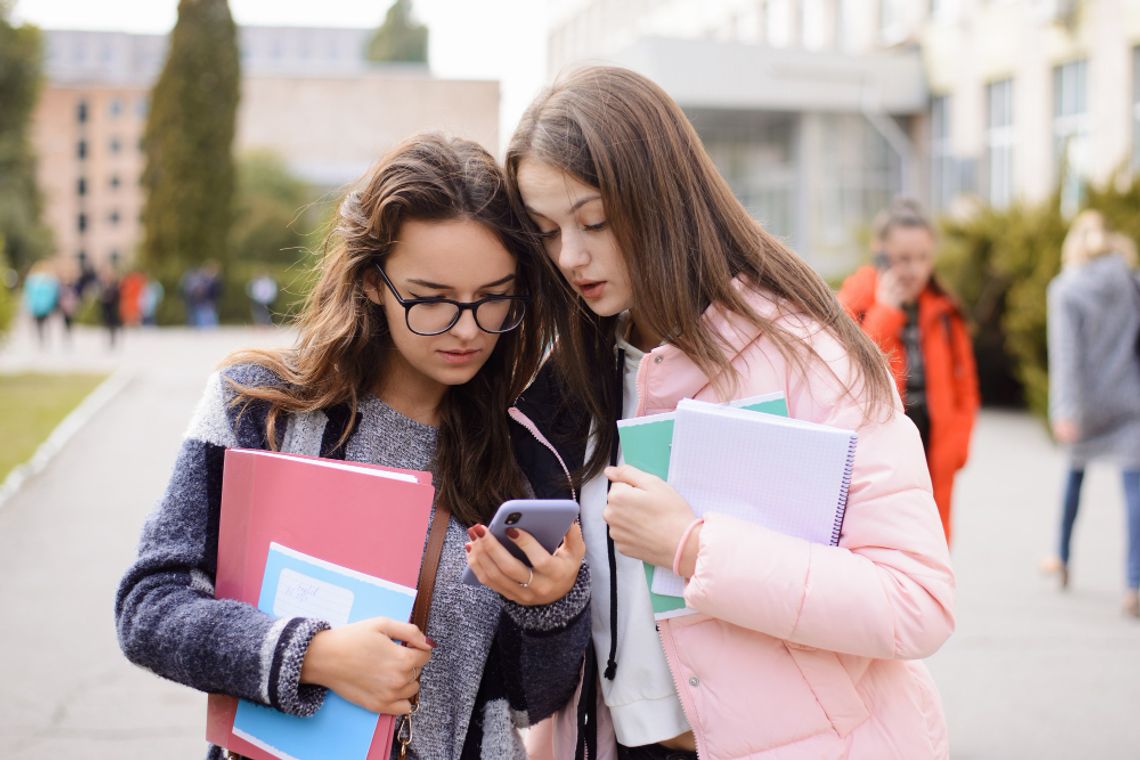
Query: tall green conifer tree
point(21, 226)
point(189, 175)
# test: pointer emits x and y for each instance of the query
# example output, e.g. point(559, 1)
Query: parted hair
point(683, 235)
point(344, 343)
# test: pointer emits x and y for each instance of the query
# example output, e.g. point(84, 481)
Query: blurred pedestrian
point(41, 296)
point(130, 297)
point(109, 304)
point(1094, 376)
point(262, 292)
point(901, 304)
point(149, 299)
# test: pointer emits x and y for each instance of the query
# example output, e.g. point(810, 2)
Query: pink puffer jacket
point(801, 650)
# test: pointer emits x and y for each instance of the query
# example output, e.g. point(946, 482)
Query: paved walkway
point(1030, 673)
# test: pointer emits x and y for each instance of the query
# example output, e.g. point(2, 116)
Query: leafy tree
point(271, 216)
point(189, 175)
point(27, 237)
point(399, 39)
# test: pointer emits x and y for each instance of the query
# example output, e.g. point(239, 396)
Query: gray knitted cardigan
point(1094, 372)
point(498, 665)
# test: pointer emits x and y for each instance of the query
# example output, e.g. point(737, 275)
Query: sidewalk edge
point(63, 432)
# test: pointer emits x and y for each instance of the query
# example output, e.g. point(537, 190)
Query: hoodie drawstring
point(619, 400)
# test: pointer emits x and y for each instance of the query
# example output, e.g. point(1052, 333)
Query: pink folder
point(368, 518)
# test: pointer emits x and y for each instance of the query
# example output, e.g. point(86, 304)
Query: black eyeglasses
point(435, 316)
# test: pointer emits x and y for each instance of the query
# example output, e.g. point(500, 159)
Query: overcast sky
point(488, 39)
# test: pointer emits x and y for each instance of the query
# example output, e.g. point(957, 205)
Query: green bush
point(999, 263)
point(8, 297)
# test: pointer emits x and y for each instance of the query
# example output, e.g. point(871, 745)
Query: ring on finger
point(529, 578)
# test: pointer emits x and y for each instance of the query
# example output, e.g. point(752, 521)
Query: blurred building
point(814, 110)
point(1046, 84)
point(817, 111)
point(307, 94)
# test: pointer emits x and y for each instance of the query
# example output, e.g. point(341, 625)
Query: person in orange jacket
point(919, 326)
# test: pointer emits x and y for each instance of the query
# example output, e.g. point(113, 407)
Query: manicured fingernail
point(431, 642)
point(471, 533)
point(513, 532)
point(467, 548)
point(480, 531)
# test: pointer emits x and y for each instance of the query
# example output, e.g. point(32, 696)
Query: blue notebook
point(297, 585)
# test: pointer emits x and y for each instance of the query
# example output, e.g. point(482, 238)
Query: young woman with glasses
point(410, 349)
point(664, 287)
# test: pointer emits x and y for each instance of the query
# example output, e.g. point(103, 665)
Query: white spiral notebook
point(788, 475)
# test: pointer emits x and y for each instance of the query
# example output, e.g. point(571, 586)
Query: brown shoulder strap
point(426, 583)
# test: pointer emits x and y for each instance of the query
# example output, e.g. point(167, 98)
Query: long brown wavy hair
point(683, 235)
point(344, 343)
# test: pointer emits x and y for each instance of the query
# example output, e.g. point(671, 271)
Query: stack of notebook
point(748, 460)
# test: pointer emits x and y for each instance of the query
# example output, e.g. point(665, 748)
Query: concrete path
point(1030, 673)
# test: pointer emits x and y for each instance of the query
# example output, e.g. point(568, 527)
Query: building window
point(1136, 107)
point(944, 10)
point(817, 28)
point(142, 107)
point(1071, 131)
point(942, 164)
point(81, 112)
point(999, 142)
point(81, 186)
point(115, 182)
point(113, 218)
point(891, 23)
point(81, 222)
point(116, 146)
point(81, 149)
point(778, 22)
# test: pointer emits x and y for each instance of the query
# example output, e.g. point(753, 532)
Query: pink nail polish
point(431, 642)
point(467, 548)
point(480, 531)
point(513, 532)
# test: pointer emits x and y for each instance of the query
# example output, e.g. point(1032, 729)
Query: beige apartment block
point(87, 142)
point(331, 129)
point(306, 94)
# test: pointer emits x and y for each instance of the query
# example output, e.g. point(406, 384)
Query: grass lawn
point(31, 405)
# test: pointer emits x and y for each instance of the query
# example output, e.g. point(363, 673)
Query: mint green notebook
point(645, 444)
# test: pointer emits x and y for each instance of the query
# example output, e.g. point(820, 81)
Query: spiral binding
point(845, 486)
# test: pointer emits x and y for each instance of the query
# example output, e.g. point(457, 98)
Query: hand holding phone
point(508, 569)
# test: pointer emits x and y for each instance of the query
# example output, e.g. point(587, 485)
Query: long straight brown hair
point(684, 237)
point(344, 343)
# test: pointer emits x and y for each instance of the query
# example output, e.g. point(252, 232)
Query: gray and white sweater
point(498, 665)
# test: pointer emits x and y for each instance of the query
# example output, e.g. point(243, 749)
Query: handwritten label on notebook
point(304, 596)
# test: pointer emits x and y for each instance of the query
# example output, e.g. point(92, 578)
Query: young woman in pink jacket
point(663, 287)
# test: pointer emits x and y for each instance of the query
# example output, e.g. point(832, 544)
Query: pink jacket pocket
point(832, 686)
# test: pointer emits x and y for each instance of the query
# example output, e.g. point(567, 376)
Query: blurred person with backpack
point(902, 305)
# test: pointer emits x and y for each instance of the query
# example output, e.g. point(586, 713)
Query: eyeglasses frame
point(462, 306)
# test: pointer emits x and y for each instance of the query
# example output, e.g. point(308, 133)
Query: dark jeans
point(654, 752)
point(1071, 503)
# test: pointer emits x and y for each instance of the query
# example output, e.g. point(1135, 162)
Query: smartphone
point(881, 261)
point(545, 519)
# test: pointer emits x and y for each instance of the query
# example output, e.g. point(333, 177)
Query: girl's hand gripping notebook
point(788, 475)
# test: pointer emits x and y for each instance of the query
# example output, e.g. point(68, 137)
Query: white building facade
point(818, 111)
